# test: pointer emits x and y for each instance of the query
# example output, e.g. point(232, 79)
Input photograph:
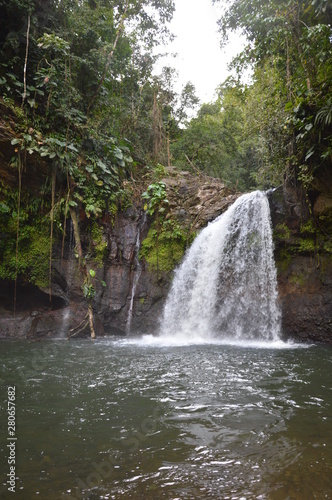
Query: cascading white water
point(226, 286)
point(70, 271)
point(137, 275)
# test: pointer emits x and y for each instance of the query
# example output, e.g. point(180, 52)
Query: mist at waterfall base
point(199, 411)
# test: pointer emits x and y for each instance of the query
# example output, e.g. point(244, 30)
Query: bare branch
point(25, 64)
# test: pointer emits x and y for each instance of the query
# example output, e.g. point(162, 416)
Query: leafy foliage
point(156, 198)
point(76, 76)
point(218, 141)
point(292, 41)
point(91, 118)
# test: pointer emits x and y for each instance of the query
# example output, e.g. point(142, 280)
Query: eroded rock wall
point(304, 263)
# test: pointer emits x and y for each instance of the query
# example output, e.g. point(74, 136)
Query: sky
point(200, 58)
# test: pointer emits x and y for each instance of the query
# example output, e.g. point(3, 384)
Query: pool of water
point(140, 419)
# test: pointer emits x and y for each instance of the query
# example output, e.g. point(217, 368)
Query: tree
point(216, 141)
point(292, 40)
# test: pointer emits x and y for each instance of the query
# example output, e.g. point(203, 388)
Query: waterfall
point(226, 286)
point(137, 274)
point(69, 273)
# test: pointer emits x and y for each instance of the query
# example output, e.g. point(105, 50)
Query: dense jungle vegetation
point(91, 126)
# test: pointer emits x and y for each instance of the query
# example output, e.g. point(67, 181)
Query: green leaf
point(88, 291)
point(3, 208)
point(118, 154)
point(102, 165)
point(310, 153)
point(92, 273)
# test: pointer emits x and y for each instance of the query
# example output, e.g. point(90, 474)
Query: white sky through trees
point(200, 58)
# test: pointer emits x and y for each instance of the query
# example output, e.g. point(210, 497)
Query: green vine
point(88, 287)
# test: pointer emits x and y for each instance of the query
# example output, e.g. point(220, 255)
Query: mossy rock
point(283, 260)
point(163, 255)
point(98, 244)
point(33, 254)
point(325, 221)
point(281, 232)
point(164, 248)
point(297, 279)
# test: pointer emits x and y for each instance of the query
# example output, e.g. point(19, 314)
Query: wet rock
point(304, 265)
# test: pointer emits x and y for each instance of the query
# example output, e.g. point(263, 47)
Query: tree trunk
point(168, 152)
point(92, 329)
point(82, 266)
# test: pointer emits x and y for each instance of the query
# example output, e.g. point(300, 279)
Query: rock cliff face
point(134, 295)
point(303, 251)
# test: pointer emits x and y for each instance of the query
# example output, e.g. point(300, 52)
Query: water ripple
point(118, 419)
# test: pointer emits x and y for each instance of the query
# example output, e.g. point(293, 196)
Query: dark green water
point(123, 419)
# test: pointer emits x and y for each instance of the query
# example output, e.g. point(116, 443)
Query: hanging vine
point(88, 289)
point(20, 169)
point(25, 64)
point(51, 234)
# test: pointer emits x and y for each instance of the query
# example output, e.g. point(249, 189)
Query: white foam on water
point(182, 341)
